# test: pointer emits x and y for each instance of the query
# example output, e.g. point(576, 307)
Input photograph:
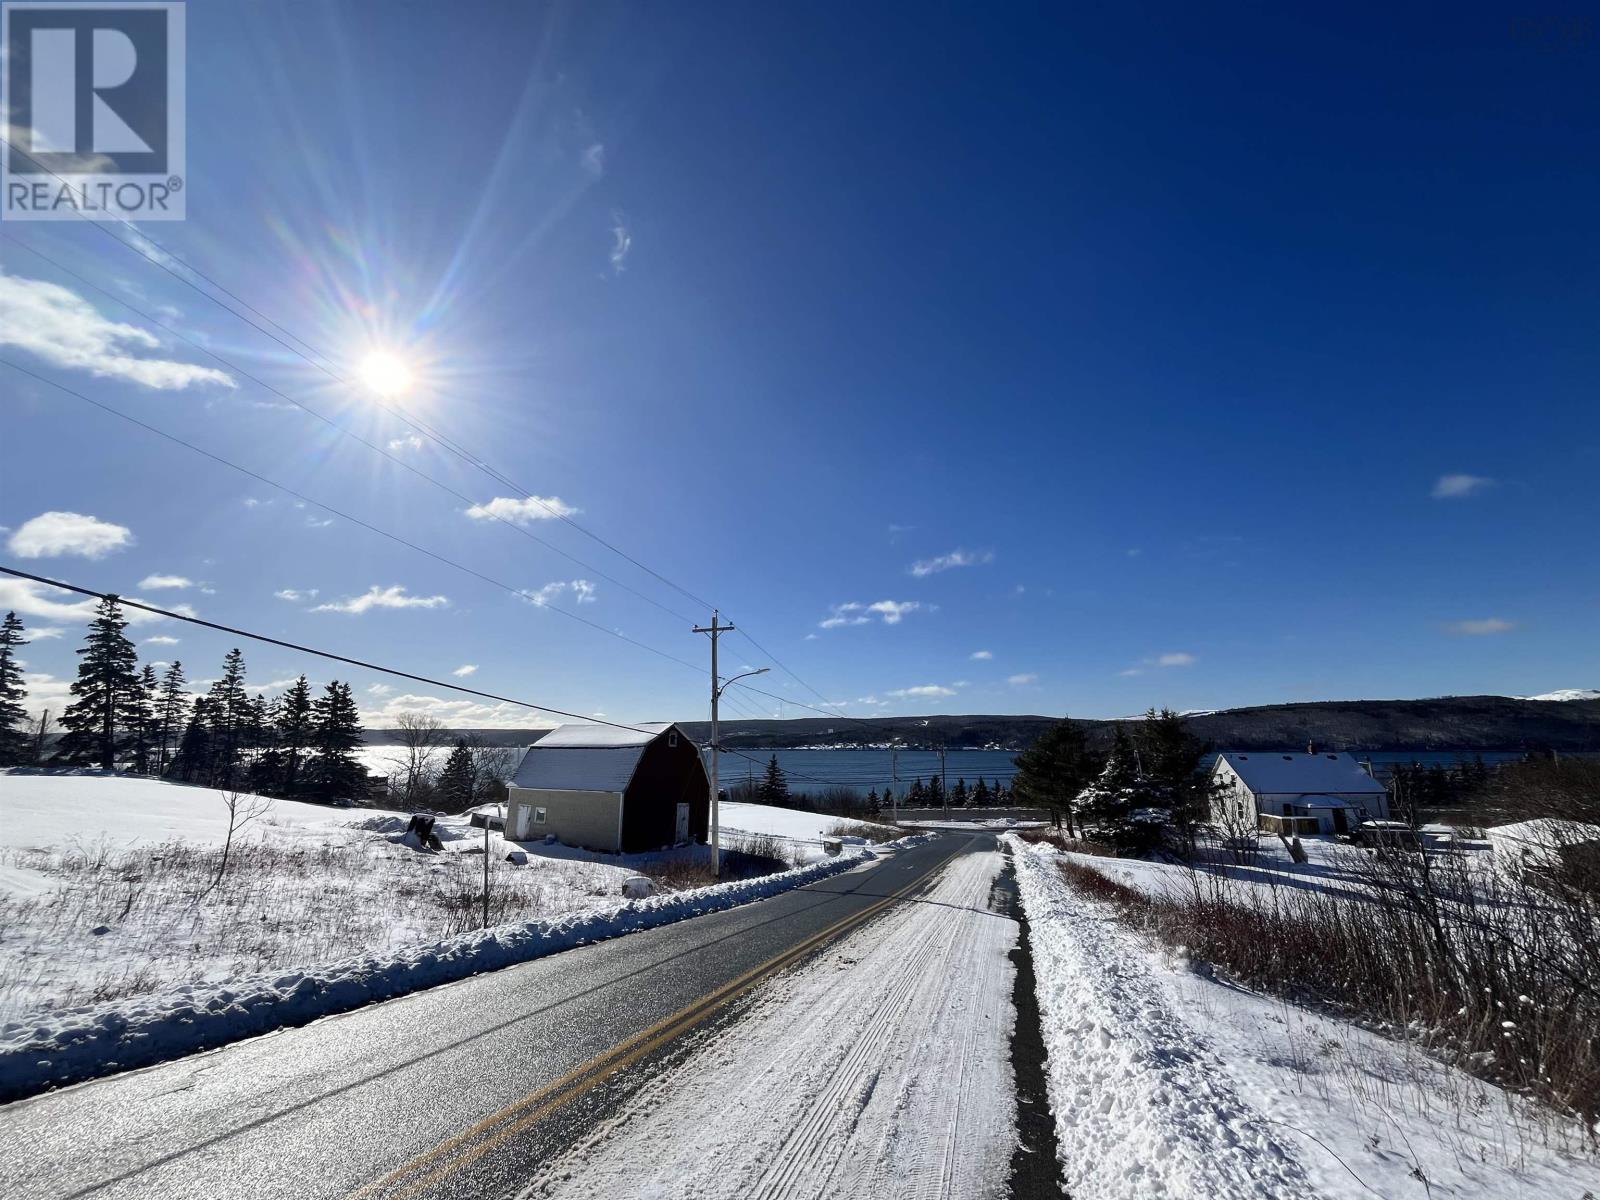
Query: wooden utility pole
point(716, 630)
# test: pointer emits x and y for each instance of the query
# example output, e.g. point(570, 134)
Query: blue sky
point(1201, 359)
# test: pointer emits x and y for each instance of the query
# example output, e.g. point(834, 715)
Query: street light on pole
point(718, 686)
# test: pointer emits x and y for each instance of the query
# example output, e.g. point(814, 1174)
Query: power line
point(328, 508)
point(272, 641)
point(341, 429)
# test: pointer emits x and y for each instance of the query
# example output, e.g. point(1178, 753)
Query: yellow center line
point(537, 1105)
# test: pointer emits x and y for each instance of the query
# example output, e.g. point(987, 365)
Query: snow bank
point(55, 1048)
point(1167, 1082)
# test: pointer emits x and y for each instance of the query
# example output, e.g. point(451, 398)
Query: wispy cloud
point(1174, 658)
point(160, 639)
point(890, 612)
point(43, 633)
point(982, 655)
point(295, 595)
point(62, 328)
point(944, 562)
point(1459, 487)
point(409, 442)
point(157, 582)
point(31, 599)
point(593, 160)
point(520, 512)
point(582, 592)
point(465, 669)
point(382, 597)
point(1480, 628)
point(926, 691)
point(52, 534)
point(621, 242)
point(1023, 679)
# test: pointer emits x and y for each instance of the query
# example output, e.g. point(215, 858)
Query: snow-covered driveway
point(879, 1069)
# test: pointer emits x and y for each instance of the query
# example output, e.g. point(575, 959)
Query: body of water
point(865, 769)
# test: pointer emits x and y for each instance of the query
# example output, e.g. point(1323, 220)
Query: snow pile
point(1166, 1082)
point(59, 1047)
point(1567, 694)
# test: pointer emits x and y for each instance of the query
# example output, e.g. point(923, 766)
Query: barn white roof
point(1279, 774)
point(585, 758)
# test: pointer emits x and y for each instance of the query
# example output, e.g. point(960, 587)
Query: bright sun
point(385, 373)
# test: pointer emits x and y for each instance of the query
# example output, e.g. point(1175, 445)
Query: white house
point(1304, 792)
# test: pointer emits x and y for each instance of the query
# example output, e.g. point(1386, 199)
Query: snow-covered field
point(802, 832)
point(106, 885)
point(879, 1069)
point(1166, 1081)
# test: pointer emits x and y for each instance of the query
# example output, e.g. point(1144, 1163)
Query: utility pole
point(944, 787)
point(718, 686)
point(894, 778)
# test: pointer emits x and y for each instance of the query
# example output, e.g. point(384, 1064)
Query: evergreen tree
point(144, 721)
point(958, 794)
point(1170, 758)
point(1113, 806)
point(916, 794)
point(192, 761)
point(935, 795)
point(1054, 769)
point(774, 787)
point(172, 714)
point(230, 717)
point(294, 734)
point(105, 693)
point(16, 747)
point(981, 796)
point(337, 773)
point(458, 780)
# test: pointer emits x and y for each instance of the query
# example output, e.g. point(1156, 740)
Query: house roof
point(1545, 832)
point(585, 758)
point(1278, 774)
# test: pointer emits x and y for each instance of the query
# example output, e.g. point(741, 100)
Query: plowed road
point(847, 1038)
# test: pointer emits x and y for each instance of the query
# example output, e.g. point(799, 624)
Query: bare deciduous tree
point(421, 739)
point(243, 808)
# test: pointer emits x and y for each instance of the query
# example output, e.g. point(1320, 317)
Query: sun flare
point(386, 374)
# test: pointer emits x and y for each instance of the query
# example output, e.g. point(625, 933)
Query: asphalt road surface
point(450, 1091)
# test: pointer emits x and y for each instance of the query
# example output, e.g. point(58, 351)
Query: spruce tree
point(230, 718)
point(458, 780)
point(774, 787)
point(337, 772)
point(1054, 769)
point(981, 796)
point(16, 747)
point(172, 714)
point(958, 794)
point(192, 760)
point(143, 720)
point(294, 734)
point(104, 694)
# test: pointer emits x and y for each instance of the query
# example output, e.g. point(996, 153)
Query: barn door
point(683, 823)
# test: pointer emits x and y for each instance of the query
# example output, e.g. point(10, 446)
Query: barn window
point(672, 741)
point(539, 816)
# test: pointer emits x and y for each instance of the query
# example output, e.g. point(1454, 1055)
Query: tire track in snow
point(878, 1069)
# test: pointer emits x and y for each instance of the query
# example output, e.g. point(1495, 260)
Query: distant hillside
point(1445, 723)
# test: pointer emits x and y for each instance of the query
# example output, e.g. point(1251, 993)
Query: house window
point(539, 816)
point(672, 741)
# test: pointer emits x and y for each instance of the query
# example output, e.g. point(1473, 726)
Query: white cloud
point(1459, 487)
point(293, 595)
point(1134, 552)
point(944, 562)
point(30, 599)
point(379, 689)
point(318, 523)
point(891, 612)
point(1177, 658)
point(1022, 680)
point(465, 669)
point(593, 160)
point(56, 324)
point(45, 691)
point(982, 655)
point(410, 442)
point(582, 592)
point(160, 640)
point(520, 512)
point(1482, 628)
point(44, 633)
point(621, 242)
point(55, 533)
point(926, 691)
point(380, 597)
point(157, 582)
point(455, 712)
